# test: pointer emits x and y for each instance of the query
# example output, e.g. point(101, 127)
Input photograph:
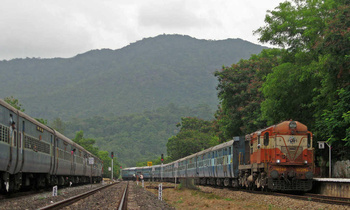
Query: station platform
point(338, 187)
point(345, 180)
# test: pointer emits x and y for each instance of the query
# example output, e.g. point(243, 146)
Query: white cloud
point(51, 28)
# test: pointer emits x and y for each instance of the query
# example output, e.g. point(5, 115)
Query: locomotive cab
point(281, 158)
point(292, 166)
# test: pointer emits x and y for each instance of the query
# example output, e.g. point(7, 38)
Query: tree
point(88, 144)
point(195, 135)
point(15, 103)
point(106, 159)
point(296, 25)
point(288, 95)
point(240, 94)
point(334, 125)
point(42, 121)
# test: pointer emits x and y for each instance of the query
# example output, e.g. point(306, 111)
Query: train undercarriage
point(15, 182)
point(257, 180)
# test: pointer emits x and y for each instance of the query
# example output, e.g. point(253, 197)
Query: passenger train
point(278, 158)
point(35, 155)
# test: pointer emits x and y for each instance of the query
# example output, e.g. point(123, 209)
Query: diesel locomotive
point(35, 155)
point(278, 158)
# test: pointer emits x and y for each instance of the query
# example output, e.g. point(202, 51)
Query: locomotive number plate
point(302, 170)
point(280, 169)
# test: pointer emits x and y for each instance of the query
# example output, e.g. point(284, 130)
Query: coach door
point(212, 165)
point(84, 162)
point(73, 165)
point(229, 161)
point(53, 154)
point(12, 135)
point(19, 134)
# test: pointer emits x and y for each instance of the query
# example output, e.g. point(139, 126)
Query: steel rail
point(306, 196)
point(124, 201)
point(69, 201)
point(327, 199)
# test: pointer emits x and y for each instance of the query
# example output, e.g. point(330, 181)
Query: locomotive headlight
point(278, 161)
point(305, 161)
point(292, 125)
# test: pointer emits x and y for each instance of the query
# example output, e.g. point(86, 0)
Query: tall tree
point(240, 94)
point(88, 144)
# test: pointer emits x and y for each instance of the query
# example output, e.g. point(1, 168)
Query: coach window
point(266, 138)
point(308, 140)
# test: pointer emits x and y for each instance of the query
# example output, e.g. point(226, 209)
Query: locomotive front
point(281, 158)
point(291, 165)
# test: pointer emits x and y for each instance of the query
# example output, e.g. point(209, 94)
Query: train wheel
point(226, 182)
point(218, 182)
point(235, 183)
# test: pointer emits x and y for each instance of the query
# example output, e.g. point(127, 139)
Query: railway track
point(308, 197)
point(326, 199)
point(74, 199)
point(29, 193)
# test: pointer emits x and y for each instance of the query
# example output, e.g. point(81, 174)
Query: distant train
point(34, 155)
point(278, 158)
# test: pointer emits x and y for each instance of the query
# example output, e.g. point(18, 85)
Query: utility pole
point(112, 166)
point(321, 146)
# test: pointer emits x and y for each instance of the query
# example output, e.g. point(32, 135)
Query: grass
point(205, 195)
point(189, 199)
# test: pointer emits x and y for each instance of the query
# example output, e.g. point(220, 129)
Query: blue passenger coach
point(217, 165)
point(35, 155)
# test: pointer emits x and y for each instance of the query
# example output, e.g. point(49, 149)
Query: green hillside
point(145, 75)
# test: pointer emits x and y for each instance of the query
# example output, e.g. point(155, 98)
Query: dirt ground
point(215, 198)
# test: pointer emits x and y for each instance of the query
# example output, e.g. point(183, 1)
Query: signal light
point(112, 154)
point(162, 158)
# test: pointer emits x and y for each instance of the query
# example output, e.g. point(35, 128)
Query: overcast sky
point(65, 28)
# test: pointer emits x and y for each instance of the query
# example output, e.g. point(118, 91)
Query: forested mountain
point(130, 99)
point(136, 137)
point(145, 75)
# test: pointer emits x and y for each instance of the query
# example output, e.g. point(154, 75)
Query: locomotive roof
point(282, 127)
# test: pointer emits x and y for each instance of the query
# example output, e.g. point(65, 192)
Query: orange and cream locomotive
point(281, 158)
